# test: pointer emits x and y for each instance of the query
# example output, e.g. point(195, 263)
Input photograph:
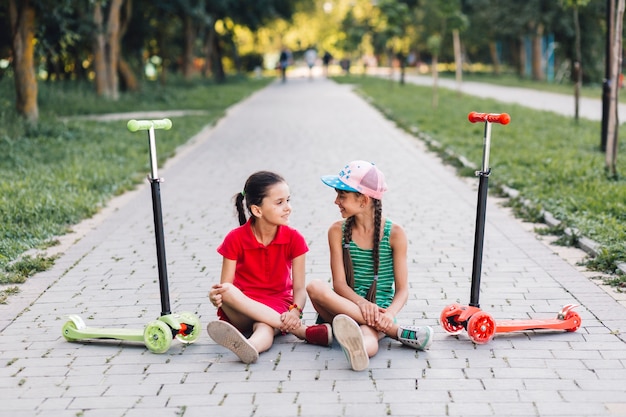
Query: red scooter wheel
point(449, 319)
point(575, 319)
point(481, 327)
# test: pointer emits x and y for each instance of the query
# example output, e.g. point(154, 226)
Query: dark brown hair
point(254, 191)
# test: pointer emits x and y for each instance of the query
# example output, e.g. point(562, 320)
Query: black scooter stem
point(160, 245)
point(479, 237)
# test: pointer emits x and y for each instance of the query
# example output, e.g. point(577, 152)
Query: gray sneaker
point(348, 335)
point(228, 336)
point(416, 337)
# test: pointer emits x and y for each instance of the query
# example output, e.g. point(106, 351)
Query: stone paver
point(304, 129)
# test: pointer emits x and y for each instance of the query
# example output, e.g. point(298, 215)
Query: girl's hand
point(384, 322)
point(290, 321)
point(215, 295)
point(370, 312)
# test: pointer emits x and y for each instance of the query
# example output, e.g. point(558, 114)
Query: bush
point(250, 61)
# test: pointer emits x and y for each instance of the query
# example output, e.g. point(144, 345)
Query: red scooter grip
point(502, 118)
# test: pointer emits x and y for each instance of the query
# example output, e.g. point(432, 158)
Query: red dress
point(263, 273)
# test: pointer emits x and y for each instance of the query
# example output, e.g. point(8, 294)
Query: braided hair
point(347, 258)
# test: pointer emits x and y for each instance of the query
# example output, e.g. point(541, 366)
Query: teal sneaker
point(416, 337)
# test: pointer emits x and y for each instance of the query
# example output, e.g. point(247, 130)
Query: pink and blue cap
point(359, 177)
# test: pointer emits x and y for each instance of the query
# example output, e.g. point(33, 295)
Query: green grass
point(62, 171)
point(552, 161)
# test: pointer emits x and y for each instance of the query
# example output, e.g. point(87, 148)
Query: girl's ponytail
point(241, 213)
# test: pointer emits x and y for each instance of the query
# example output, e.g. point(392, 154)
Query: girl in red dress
point(262, 287)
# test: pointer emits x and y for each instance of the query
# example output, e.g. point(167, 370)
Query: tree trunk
point(207, 49)
point(236, 56)
point(113, 47)
point(613, 122)
point(523, 57)
point(435, 71)
point(537, 55)
point(98, 51)
point(128, 78)
point(495, 60)
point(577, 65)
point(22, 15)
point(189, 38)
point(107, 49)
point(216, 59)
point(458, 58)
point(163, 53)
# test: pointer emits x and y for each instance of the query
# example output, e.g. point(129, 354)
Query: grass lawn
point(62, 171)
point(552, 161)
point(65, 169)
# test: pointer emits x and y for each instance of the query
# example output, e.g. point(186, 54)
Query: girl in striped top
point(369, 269)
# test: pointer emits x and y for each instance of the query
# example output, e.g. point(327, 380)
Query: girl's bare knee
point(230, 293)
point(316, 288)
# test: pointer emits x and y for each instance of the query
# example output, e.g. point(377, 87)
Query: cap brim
point(334, 182)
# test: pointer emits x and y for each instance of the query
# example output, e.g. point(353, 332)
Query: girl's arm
point(228, 276)
point(398, 242)
point(298, 268)
point(228, 270)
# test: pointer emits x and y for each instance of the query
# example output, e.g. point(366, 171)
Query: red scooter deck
point(481, 327)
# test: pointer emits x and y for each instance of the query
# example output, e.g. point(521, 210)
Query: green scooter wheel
point(67, 329)
point(157, 336)
point(189, 319)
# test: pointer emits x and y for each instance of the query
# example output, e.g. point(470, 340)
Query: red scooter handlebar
point(502, 118)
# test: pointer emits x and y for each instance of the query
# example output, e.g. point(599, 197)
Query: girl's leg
point(328, 303)
point(244, 312)
point(262, 337)
point(370, 339)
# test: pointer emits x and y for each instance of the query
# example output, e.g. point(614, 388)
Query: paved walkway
point(304, 129)
point(589, 108)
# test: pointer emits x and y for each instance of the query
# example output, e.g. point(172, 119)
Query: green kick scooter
point(158, 334)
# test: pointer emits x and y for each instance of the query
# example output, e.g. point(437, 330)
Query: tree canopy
point(111, 43)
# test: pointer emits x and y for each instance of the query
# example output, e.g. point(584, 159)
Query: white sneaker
point(349, 336)
point(416, 337)
point(228, 336)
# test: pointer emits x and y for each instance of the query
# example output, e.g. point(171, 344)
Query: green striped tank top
point(363, 265)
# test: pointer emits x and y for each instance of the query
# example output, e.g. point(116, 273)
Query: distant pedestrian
point(326, 59)
point(369, 269)
point(262, 287)
point(310, 56)
point(283, 60)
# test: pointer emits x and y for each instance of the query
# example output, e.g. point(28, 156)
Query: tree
point(107, 47)
point(396, 18)
point(575, 5)
point(483, 17)
point(437, 17)
point(22, 15)
point(616, 61)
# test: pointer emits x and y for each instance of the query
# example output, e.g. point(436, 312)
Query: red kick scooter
point(480, 326)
